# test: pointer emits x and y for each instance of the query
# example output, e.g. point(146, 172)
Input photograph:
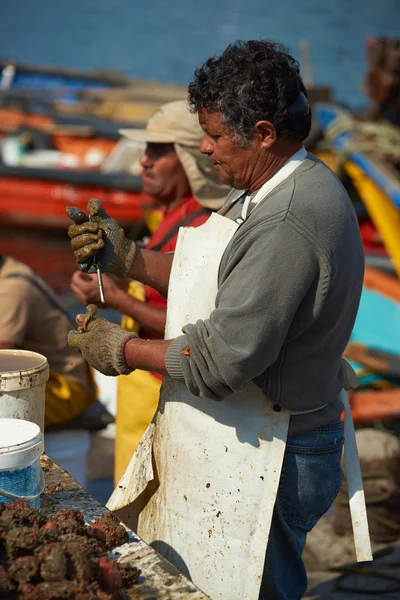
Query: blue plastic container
point(21, 477)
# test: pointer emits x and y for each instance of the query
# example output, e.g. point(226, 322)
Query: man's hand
point(101, 343)
point(99, 240)
point(86, 288)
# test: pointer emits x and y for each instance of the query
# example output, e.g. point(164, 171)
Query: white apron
point(215, 466)
point(218, 463)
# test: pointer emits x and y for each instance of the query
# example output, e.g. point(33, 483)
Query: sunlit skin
point(248, 167)
point(162, 174)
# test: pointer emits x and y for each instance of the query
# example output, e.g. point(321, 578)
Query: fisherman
point(261, 304)
point(32, 318)
point(176, 174)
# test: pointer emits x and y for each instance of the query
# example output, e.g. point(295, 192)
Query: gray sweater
point(289, 287)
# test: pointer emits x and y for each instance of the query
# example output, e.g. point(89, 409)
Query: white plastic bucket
point(21, 446)
point(23, 376)
point(69, 448)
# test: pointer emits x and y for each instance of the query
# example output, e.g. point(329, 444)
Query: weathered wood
point(159, 579)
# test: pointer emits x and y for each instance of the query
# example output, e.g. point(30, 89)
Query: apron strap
point(358, 509)
point(225, 209)
point(172, 233)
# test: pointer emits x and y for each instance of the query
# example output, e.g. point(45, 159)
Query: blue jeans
point(310, 481)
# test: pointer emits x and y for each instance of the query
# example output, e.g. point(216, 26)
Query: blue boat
point(384, 177)
point(68, 82)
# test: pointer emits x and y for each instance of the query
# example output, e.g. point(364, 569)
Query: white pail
point(23, 377)
point(69, 448)
point(21, 446)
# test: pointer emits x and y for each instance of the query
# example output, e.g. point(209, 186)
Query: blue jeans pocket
point(311, 475)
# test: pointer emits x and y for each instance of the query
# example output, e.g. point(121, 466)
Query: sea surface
point(166, 39)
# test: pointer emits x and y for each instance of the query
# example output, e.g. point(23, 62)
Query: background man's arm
point(152, 268)
point(86, 289)
point(152, 318)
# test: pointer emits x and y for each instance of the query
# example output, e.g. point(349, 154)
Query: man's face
point(235, 165)
point(161, 172)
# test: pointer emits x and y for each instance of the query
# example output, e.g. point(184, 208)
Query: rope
point(380, 138)
point(392, 527)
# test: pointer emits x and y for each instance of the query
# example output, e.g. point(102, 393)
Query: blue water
point(166, 40)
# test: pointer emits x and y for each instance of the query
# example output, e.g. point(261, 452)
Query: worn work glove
point(99, 241)
point(101, 343)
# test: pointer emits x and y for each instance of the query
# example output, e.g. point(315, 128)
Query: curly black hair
point(250, 82)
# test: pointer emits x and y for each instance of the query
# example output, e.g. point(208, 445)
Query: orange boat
point(71, 138)
point(39, 197)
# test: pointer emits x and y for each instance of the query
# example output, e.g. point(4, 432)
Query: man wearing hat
point(183, 180)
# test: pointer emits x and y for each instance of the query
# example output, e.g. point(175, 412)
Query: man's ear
point(266, 132)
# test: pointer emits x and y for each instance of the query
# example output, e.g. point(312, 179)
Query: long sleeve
point(269, 274)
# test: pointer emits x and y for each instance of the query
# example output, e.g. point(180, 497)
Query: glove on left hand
point(101, 343)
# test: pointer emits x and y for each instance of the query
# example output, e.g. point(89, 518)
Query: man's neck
point(282, 151)
point(177, 202)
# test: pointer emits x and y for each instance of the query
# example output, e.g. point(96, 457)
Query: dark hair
point(253, 81)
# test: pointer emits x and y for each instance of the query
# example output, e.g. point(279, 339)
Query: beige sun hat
point(174, 124)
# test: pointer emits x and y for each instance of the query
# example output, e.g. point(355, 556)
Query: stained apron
point(204, 478)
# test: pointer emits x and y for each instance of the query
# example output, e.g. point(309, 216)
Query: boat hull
point(39, 203)
point(377, 326)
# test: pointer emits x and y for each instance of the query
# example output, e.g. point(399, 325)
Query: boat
point(75, 151)
point(373, 177)
point(38, 197)
point(104, 94)
point(70, 82)
point(47, 165)
point(48, 120)
point(374, 350)
point(21, 76)
point(351, 143)
point(76, 137)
